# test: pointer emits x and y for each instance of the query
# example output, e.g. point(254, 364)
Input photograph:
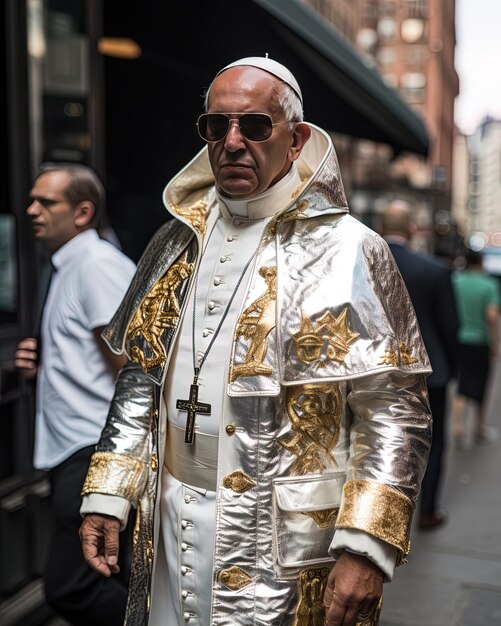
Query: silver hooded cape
point(331, 425)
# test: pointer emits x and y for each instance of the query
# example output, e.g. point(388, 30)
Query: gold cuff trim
point(116, 475)
point(380, 510)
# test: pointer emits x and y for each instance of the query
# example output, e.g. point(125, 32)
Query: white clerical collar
point(72, 248)
point(265, 204)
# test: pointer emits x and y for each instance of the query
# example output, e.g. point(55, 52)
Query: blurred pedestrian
point(478, 300)
point(75, 373)
point(429, 285)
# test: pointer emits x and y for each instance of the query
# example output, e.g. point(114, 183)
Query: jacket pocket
point(305, 510)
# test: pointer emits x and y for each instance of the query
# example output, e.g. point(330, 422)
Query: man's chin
point(237, 189)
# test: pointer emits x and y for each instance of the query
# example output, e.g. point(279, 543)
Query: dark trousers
point(76, 592)
point(431, 480)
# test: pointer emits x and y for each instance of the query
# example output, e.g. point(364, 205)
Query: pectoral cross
point(192, 406)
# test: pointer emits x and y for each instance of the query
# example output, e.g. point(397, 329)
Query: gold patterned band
point(115, 474)
point(380, 510)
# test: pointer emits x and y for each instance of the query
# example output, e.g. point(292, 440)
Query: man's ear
point(84, 213)
point(300, 136)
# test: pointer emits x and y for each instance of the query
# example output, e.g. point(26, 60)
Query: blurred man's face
point(243, 168)
point(52, 216)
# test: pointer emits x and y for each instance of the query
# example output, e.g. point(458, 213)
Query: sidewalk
point(453, 577)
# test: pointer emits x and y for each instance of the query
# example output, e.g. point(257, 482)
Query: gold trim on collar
point(196, 214)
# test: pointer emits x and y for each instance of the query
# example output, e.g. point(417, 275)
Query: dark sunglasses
point(213, 127)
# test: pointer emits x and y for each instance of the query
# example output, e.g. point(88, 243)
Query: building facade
point(411, 43)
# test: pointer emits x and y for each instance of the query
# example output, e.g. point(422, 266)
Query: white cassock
point(182, 580)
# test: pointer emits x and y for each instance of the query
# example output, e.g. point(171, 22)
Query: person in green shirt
point(478, 302)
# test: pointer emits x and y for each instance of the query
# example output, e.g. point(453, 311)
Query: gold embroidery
point(137, 525)
point(196, 214)
point(291, 215)
point(379, 510)
point(403, 357)
point(114, 474)
point(324, 518)
point(390, 357)
point(310, 610)
point(315, 414)
point(328, 337)
point(158, 311)
point(234, 578)
point(255, 324)
point(149, 550)
point(238, 482)
point(406, 357)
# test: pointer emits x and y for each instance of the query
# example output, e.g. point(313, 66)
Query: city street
point(453, 577)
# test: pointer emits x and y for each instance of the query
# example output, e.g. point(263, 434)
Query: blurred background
point(411, 94)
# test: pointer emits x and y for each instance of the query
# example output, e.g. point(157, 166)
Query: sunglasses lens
point(213, 126)
point(256, 126)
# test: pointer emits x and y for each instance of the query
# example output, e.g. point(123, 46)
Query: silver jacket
point(331, 424)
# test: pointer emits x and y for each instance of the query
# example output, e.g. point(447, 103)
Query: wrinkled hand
point(99, 537)
point(354, 587)
point(26, 357)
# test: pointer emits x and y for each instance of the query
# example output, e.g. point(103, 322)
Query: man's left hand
point(354, 587)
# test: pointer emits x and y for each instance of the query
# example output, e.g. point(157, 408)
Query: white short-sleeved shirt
point(74, 384)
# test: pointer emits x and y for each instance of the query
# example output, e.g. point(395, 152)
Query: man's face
point(52, 216)
point(243, 168)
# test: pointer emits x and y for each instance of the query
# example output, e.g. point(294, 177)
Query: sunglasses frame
point(237, 119)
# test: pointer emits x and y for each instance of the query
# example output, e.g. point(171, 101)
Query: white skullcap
point(271, 66)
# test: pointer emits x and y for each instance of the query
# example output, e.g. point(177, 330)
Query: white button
point(211, 306)
point(237, 222)
point(217, 281)
point(206, 332)
point(184, 570)
point(189, 499)
point(186, 616)
point(184, 593)
point(230, 237)
point(184, 523)
point(184, 546)
point(223, 259)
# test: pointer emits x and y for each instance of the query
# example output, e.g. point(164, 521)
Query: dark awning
point(341, 92)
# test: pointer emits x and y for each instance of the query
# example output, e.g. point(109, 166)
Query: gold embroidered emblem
point(327, 338)
point(403, 357)
point(310, 609)
point(324, 518)
point(315, 414)
point(255, 324)
point(234, 578)
point(158, 311)
point(196, 214)
point(238, 482)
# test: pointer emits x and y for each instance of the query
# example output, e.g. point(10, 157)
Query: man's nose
point(234, 139)
point(33, 209)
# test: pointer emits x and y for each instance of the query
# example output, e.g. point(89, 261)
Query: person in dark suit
point(429, 284)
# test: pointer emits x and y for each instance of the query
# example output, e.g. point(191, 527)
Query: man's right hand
point(99, 537)
point(26, 357)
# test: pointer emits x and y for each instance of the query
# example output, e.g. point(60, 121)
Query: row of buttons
point(185, 569)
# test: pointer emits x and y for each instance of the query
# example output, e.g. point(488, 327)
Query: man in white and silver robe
point(272, 425)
